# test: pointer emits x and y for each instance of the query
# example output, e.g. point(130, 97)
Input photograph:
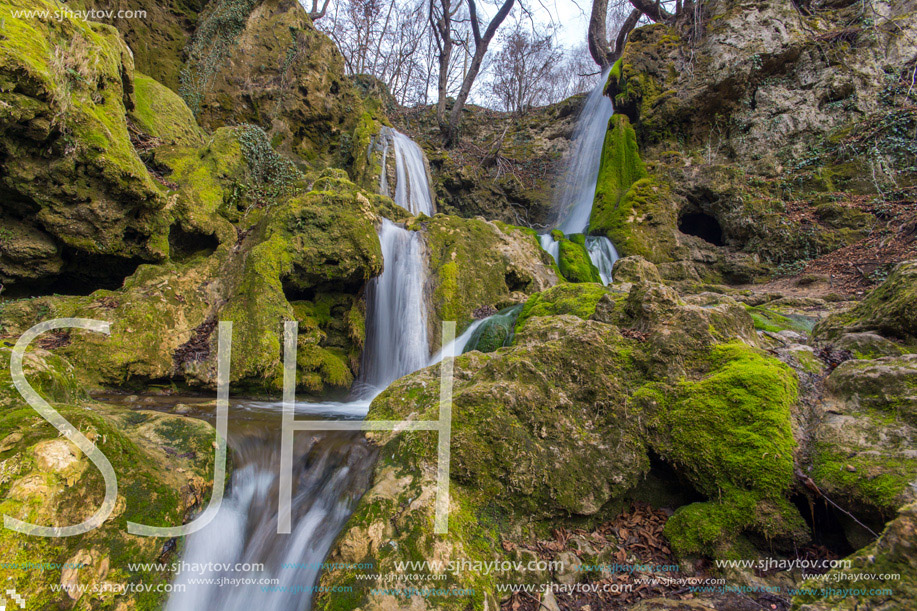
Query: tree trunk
point(597, 38)
point(481, 42)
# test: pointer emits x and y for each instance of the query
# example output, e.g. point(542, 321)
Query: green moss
point(64, 88)
point(620, 166)
point(475, 263)
point(769, 320)
point(495, 332)
point(730, 432)
point(876, 482)
point(576, 299)
point(574, 260)
point(630, 208)
point(157, 485)
point(364, 172)
point(890, 309)
point(211, 46)
point(159, 112)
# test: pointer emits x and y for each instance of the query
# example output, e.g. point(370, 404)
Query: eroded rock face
point(750, 96)
point(890, 309)
point(759, 63)
point(275, 70)
point(893, 553)
point(475, 263)
point(77, 198)
point(561, 423)
point(164, 466)
point(864, 445)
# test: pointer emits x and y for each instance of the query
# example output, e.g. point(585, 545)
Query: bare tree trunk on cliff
point(599, 46)
point(441, 12)
point(315, 14)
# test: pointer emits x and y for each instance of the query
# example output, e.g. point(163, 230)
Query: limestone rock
point(635, 269)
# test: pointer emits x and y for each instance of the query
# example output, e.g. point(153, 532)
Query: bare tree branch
point(315, 14)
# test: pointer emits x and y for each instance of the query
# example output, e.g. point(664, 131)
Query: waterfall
point(412, 187)
point(576, 192)
point(331, 472)
point(550, 246)
point(396, 318)
point(332, 469)
point(495, 329)
point(603, 254)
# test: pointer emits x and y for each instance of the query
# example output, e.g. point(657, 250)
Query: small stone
point(548, 603)
point(181, 409)
point(851, 468)
point(55, 455)
point(9, 441)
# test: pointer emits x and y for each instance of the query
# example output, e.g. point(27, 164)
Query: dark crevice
point(825, 524)
point(703, 226)
point(297, 293)
point(184, 245)
point(83, 274)
point(664, 488)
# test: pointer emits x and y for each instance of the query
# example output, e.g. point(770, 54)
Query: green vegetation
point(211, 46)
point(575, 263)
point(576, 299)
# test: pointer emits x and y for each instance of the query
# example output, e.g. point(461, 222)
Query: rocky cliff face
point(764, 127)
point(236, 180)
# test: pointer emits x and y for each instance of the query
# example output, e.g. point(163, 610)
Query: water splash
point(331, 473)
point(603, 254)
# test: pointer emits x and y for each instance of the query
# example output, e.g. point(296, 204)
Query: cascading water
point(332, 469)
point(331, 472)
point(412, 187)
point(576, 192)
point(603, 254)
point(396, 333)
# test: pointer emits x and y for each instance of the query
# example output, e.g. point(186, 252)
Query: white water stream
point(332, 470)
point(576, 193)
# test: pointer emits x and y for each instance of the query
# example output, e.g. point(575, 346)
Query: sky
point(571, 18)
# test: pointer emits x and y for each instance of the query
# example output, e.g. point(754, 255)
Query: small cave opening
point(833, 529)
point(295, 292)
point(703, 226)
point(663, 487)
point(83, 274)
point(184, 245)
point(516, 280)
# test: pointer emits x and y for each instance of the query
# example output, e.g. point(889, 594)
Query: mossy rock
point(158, 39)
point(635, 269)
point(577, 299)
point(521, 450)
point(265, 64)
point(890, 309)
point(729, 431)
point(68, 163)
point(861, 455)
point(893, 553)
point(574, 261)
point(476, 263)
point(164, 466)
point(494, 332)
point(631, 208)
point(161, 113)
